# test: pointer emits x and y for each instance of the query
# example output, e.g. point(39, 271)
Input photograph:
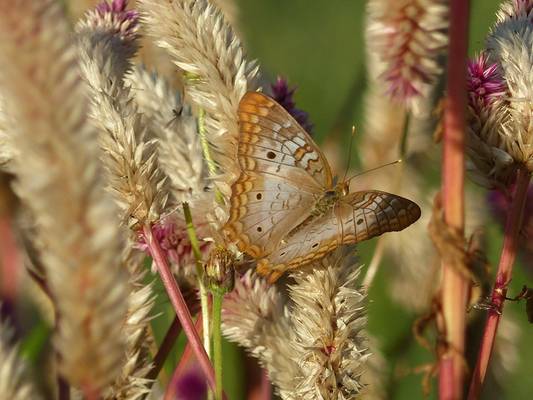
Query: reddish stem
point(170, 338)
point(513, 225)
point(177, 300)
point(9, 261)
point(266, 387)
point(454, 286)
point(164, 349)
point(184, 360)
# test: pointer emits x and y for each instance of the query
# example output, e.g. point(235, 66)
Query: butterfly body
point(286, 210)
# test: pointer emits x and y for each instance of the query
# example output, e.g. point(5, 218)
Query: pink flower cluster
point(171, 233)
point(485, 83)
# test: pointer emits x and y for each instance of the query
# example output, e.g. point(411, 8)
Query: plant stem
point(513, 225)
point(170, 338)
point(405, 134)
point(217, 341)
point(170, 392)
point(177, 300)
point(266, 387)
point(63, 389)
point(455, 287)
point(166, 346)
point(211, 165)
point(204, 297)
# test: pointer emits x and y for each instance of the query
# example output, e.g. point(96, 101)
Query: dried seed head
point(139, 187)
point(219, 270)
point(489, 163)
point(205, 47)
point(329, 317)
point(509, 45)
point(408, 36)
point(60, 181)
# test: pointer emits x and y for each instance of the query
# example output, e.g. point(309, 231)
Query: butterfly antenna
point(349, 153)
point(373, 169)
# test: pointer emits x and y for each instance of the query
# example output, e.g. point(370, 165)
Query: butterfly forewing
point(358, 216)
point(283, 173)
point(271, 141)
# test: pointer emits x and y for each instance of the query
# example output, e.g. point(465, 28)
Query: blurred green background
point(319, 47)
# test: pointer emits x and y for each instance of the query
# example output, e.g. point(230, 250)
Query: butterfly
point(286, 209)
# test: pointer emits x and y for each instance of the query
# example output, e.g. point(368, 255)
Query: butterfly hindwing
point(358, 216)
point(262, 211)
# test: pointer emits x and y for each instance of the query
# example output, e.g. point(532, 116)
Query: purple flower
point(191, 386)
point(523, 6)
point(283, 95)
point(485, 83)
point(126, 21)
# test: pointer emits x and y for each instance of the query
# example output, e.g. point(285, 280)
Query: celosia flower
point(485, 84)
point(171, 233)
point(314, 350)
point(408, 36)
point(284, 96)
point(509, 44)
point(490, 165)
point(115, 13)
point(209, 52)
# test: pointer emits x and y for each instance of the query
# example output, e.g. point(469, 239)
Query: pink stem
point(513, 225)
point(266, 387)
point(177, 300)
point(455, 287)
point(170, 393)
point(9, 261)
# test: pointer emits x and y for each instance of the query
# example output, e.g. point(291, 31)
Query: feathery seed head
point(60, 181)
point(510, 44)
point(408, 36)
point(205, 47)
point(329, 315)
point(489, 163)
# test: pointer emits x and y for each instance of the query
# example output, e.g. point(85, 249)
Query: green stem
point(405, 134)
point(217, 342)
point(204, 299)
point(211, 165)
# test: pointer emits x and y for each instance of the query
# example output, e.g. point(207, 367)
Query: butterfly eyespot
point(359, 221)
point(314, 246)
point(259, 229)
point(259, 196)
point(282, 254)
point(271, 155)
